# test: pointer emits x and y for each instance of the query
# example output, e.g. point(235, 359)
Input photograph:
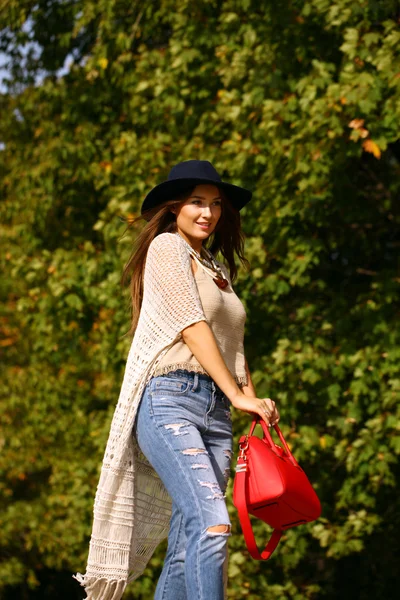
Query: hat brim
point(167, 190)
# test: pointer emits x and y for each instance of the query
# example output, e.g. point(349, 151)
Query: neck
point(198, 245)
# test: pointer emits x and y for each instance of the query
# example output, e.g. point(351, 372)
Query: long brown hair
point(226, 238)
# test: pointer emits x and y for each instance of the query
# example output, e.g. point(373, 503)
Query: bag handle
point(241, 505)
point(267, 435)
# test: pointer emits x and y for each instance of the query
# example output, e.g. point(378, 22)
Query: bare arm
point(249, 389)
point(202, 343)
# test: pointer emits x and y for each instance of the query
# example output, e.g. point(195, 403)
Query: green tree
point(297, 100)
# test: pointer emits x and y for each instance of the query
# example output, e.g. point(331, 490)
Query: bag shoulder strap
point(241, 505)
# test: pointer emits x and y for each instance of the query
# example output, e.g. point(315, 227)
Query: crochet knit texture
point(132, 508)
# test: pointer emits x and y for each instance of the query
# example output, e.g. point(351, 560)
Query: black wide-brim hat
point(190, 173)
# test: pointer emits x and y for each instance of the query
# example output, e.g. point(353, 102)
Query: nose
point(206, 212)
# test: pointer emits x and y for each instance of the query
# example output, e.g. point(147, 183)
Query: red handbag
point(270, 484)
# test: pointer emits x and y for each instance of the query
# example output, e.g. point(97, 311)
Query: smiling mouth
point(204, 225)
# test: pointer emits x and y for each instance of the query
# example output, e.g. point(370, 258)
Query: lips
point(203, 225)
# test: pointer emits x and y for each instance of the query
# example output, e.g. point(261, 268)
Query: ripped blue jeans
point(184, 429)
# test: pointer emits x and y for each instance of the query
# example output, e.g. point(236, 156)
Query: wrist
point(235, 394)
point(249, 390)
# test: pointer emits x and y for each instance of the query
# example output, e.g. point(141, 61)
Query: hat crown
point(196, 169)
point(186, 175)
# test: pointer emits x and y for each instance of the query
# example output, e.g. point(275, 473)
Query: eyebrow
point(202, 197)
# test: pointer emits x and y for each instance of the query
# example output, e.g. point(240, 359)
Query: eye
point(217, 202)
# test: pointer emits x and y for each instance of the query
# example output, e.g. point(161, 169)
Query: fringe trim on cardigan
point(101, 589)
point(188, 366)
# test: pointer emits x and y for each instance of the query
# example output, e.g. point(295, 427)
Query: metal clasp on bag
point(243, 447)
point(242, 454)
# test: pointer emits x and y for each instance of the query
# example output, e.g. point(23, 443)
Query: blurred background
point(299, 102)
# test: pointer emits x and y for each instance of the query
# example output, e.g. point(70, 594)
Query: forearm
point(248, 389)
point(202, 343)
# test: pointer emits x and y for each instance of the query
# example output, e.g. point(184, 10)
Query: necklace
point(209, 264)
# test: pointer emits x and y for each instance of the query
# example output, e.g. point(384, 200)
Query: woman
point(171, 434)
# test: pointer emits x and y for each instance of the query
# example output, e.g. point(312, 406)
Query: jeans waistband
point(205, 380)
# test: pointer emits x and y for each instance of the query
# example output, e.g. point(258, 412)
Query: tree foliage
point(296, 100)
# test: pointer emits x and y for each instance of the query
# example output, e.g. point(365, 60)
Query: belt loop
point(195, 382)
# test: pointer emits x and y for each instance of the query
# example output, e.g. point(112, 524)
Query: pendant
point(210, 265)
point(219, 280)
point(221, 283)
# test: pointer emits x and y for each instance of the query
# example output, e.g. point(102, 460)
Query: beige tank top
point(226, 316)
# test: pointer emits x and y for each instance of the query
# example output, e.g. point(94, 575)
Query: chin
point(200, 232)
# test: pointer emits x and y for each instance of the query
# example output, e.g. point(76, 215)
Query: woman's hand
point(264, 407)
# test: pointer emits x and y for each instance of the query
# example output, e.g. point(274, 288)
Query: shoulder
point(167, 247)
point(164, 239)
point(165, 242)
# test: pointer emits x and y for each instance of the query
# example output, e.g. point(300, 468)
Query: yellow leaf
point(103, 63)
point(131, 217)
point(356, 123)
point(372, 147)
point(322, 441)
point(316, 155)
point(92, 74)
point(106, 165)
point(7, 342)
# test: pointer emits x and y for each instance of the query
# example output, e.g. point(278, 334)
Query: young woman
point(167, 461)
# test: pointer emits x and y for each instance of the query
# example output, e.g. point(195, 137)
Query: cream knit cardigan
point(132, 508)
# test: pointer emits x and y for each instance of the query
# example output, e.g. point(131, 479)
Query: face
point(204, 206)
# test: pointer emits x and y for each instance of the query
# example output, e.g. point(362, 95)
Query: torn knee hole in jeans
point(219, 530)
